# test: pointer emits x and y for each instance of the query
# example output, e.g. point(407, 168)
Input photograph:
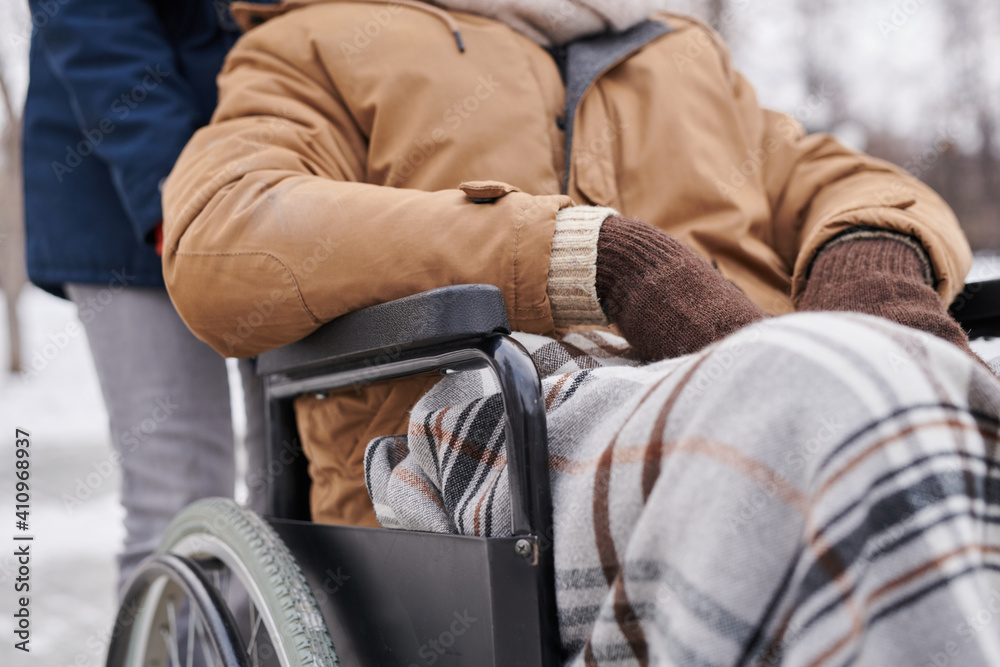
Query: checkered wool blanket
point(815, 490)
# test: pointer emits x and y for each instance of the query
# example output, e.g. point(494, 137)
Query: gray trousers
point(168, 403)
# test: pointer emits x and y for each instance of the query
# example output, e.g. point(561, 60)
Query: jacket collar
point(547, 22)
point(585, 60)
point(557, 22)
point(249, 14)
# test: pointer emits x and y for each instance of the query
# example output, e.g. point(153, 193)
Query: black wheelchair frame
point(506, 584)
point(400, 598)
point(482, 601)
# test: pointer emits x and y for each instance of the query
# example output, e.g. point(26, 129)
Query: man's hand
point(666, 300)
point(880, 274)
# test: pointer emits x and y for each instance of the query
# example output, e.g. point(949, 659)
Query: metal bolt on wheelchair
point(228, 588)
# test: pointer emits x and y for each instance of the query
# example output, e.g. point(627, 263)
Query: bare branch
point(5, 94)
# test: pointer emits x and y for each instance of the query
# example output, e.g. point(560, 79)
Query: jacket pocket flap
point(486, 192)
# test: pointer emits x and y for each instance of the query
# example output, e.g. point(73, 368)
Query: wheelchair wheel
point(174, 616)
point(255, 577)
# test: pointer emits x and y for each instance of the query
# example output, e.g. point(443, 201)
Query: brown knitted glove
point(880, 274)
point(666, 300)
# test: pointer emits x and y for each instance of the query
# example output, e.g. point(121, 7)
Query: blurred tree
point(718, 16)
point(822, 82)
point(12, 271)
point(972, 180)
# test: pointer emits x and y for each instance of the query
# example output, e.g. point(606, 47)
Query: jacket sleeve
point(818, 188)
point(270, 229)
point(134, 109)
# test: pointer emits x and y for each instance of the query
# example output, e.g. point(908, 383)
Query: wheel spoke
point(192, 611)
point(165, 634)
point(175, 659)
point(252, 646)
point(215, 555)
point(209, 660)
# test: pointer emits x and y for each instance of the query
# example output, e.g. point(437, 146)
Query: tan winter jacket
point(331, 179)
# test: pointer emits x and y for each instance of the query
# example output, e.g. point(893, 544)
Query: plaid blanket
point(817, 489)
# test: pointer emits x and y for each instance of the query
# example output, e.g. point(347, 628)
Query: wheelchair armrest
point(462, 327)
point(977, 308)
point(430, 318)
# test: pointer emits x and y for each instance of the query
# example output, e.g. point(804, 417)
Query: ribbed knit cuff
point(881, 274)
point(886, 261)
point(572, 286)
point(876, 274)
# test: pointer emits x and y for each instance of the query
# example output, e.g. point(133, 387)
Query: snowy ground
point(73, 572)
point(75, 516)
point(73, 568)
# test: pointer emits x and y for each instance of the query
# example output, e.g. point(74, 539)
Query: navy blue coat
point(117, 88)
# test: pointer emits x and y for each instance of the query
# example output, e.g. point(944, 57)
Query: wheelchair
point(229, 588)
